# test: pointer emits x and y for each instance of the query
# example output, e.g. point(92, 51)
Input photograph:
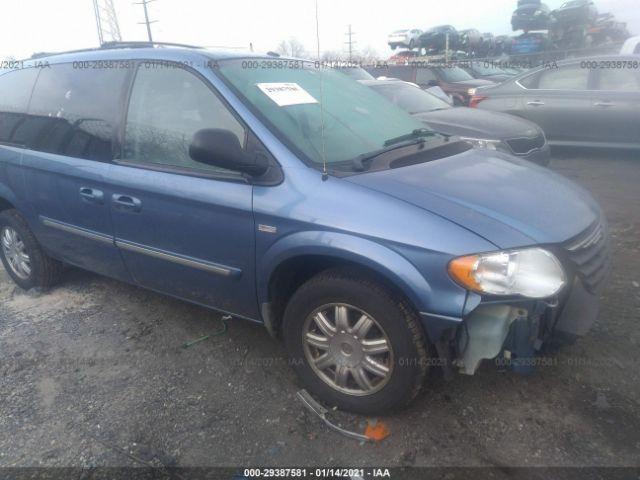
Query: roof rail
point(143, 44)
point(114, 45)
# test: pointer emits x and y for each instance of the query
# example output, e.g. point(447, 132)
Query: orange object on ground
point(377, 431)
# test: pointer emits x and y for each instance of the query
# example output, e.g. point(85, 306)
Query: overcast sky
point(44, 25)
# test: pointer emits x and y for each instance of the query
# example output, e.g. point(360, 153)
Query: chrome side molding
point(179, 259)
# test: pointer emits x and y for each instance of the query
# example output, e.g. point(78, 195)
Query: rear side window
point(167, 106)
point(573, 77)
point(74, 111)
point(15, 91)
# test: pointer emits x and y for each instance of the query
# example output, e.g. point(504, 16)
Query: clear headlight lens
point(482, 142)
point(531, 272)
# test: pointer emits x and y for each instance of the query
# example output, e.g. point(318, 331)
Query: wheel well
point(294, 272)
point(5, 205)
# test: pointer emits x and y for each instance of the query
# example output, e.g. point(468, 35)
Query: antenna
point(146, 17)
point(351, 42)
point(325, 176)
point(106, 21)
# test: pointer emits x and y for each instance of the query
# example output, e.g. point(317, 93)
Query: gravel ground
point(95, 369)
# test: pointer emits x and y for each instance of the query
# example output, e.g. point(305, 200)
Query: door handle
point(91, 195)
point(126, 202)
point(604, 104)
point(535, 103)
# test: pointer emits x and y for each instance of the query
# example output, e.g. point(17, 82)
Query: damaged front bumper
point(517, 330)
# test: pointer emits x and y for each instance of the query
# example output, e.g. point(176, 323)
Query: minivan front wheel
point(354, 343)
point(22, 256)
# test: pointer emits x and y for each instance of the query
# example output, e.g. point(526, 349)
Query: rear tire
point(354, 377)
point(22, 256)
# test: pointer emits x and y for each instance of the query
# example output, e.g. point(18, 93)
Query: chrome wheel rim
point(15, 253)
point(348, 349)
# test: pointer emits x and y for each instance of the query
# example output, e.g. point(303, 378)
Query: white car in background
point(631, 46)
point(404, 38)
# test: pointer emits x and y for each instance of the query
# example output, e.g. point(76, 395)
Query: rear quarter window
point(15, 91)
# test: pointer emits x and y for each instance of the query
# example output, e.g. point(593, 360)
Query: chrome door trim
point(82, 232)
point(179, 259)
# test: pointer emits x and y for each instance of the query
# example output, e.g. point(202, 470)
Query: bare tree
point(292, 48)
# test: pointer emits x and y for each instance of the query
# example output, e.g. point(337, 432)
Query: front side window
point(73, 111)
point(619, 80)
point(573, 77)
point(168, 106)
point(321, 112)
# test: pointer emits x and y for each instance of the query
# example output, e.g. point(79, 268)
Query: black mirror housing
point(221, 148)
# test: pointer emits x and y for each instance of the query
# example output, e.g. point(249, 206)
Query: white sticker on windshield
point(285, 94)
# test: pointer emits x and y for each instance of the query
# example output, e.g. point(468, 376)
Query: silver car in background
point(404, 38)
point(593, 102)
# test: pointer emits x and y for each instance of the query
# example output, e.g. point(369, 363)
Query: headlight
point(531, 272)
point(472, 91)
point(482, 143)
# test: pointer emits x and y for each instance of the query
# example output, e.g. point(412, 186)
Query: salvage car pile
point(575, 24)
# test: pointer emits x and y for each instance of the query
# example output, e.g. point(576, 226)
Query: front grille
point(590, 255)
point(522, 146)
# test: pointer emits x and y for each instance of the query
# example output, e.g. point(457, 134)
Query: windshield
point(356, 73)
point(409, 98)
point(355, 119)
point(454, 74)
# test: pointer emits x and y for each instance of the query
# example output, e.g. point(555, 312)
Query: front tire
point(354, 343)
point(22, 256)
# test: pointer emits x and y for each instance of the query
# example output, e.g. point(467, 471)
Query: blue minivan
point(288, 194)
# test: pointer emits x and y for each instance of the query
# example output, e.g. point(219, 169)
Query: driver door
point(184, 228)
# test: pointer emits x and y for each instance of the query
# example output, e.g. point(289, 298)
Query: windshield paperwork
point(355, 120)
point(409, 97)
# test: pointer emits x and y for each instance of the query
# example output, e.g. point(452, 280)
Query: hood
point(472, 122)
point(508, 201)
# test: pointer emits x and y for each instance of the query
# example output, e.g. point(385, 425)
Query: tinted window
point(454, 74)
point(565, 78)
point(402, 72)
point(168, 105)
point(619, 80)
point(15, 91)
point(424, 76)
point(74, 111)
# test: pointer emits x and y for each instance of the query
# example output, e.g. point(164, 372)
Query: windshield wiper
point(363, 162)
point(417, 133)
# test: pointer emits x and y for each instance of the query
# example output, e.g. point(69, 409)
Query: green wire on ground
point(222, 331)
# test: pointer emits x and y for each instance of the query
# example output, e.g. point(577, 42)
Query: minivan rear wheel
point(354, 343)
point(22, 256)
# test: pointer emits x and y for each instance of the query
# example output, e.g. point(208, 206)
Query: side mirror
point(221, 148)
point(433, 83)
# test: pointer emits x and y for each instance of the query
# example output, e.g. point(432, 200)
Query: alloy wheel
point(15, 252)
point(348, 349)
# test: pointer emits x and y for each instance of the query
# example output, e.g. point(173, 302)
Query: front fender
point(383, 260)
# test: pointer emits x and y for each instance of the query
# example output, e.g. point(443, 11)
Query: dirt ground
point(94, 373)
